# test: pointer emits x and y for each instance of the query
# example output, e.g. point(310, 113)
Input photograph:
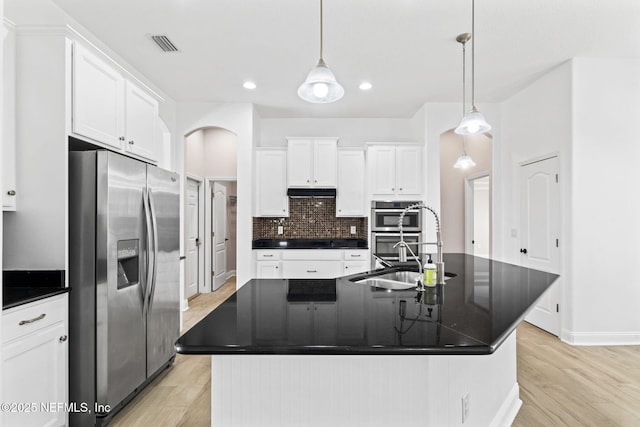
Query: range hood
point(317, 193)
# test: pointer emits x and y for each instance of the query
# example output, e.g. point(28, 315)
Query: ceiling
point(405, 48)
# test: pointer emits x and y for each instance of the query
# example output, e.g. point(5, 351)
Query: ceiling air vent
point(164, 43)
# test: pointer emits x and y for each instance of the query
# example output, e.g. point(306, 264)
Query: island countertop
point(473, 313)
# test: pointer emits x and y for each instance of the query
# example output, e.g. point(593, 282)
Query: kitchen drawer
point(33, 316)
point(312, 254)
point(318, 269)
point(268, 255)
point(356, 255)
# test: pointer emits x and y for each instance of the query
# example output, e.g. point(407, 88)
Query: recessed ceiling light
point(365, 86)
point(249, 85)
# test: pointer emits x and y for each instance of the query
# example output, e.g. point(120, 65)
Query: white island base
point(367, 391)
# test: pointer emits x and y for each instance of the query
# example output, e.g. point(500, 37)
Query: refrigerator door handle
point(149, 278)
point(154, 264)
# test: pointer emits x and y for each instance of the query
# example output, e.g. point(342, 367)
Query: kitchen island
point(338, 352)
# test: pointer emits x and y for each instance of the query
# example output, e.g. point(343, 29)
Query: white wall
point(452, 183)
point(437, 118)
point(239, 118)
point(352, 132)
point(584, 111)
point(605, 226)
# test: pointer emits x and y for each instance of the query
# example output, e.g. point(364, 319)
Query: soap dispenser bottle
point(430, 272)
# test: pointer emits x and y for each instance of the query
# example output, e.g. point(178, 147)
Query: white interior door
point(477, 215)
point(540, 231)
point(219, 237)
point(193, 239)
point(481, 217)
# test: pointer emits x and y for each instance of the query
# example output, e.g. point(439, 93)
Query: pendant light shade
point(321, 85)
point(473, 122)
point(464, 162)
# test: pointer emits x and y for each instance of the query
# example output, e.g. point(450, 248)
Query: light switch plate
point(353, 229)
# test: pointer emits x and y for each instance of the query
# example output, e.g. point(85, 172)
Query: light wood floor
point(181, 395)
point(560, 385)
point(563, 385)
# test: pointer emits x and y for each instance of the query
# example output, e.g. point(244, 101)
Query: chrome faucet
point(403, 246)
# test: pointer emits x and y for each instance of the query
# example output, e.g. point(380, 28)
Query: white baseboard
point(509, 408)
point(600, 338)
point(230, 274)
point(184, 305)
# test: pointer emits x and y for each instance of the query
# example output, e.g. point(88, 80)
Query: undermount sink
point(394, 280)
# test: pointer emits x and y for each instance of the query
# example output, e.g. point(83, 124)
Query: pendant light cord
point(464, 87)
point(473, 60)
point(321, 29)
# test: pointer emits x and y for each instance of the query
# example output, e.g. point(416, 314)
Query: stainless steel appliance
point(385, 216)
point(124, 279)
point(385, 230)
point(382, 245)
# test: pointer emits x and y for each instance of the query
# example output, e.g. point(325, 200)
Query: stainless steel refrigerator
point(124, 279)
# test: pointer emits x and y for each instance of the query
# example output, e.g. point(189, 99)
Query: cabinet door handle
point(121, 138)
point(312, 271)
point(63, 338)
point(393, 189)
point(276, 267)
point(400, 188)
point(35, 319)
point(11, 192)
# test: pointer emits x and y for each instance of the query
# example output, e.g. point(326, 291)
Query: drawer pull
point(35, 319)
point(312, 271)
point(355, 256)
point(267, 256)
point(63, 338)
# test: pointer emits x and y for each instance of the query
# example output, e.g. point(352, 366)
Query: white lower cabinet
point(310, 264)
point(267, 264)
point(35, 363)
point(356, 261)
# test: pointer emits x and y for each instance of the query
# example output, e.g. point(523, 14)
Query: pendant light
point(473, 122)
point(464, 161)
point(321, 85)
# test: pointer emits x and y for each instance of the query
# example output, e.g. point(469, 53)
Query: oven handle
point(395, 234)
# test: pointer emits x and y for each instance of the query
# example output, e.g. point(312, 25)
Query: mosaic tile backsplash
point(310, 219)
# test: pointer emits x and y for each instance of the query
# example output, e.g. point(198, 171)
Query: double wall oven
point(385, 230)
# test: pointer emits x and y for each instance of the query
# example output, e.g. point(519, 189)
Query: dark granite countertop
point(473, 313)
point(22, 287)
point(310, 244)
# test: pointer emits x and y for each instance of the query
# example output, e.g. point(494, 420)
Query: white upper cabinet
point(140, 121)
point(271, 183)
point(409, 166)
point(350, 197)
point(395, 171)
point(312, 162)
point(8, 148)
point(98, 99)
point(325, 163)
point(110, 109)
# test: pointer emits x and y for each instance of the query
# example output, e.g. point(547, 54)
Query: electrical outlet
point(353, 229)
point(465, 407)
point(280, 229)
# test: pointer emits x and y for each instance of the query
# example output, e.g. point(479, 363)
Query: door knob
point(523, 251)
